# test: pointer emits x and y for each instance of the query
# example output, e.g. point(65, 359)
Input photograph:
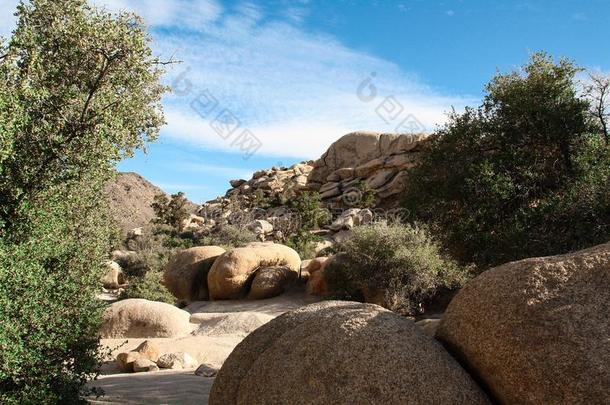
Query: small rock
point(135, 232)
point(206, 371)
point(149, 350)
point(237, 183)
point(113, 277)
point(141, 365)
point(429, 326)
point(125, 361)
point(176, 361)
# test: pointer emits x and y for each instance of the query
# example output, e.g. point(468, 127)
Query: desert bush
point(398, 266)
point(304, 242)
point(148, 287)
point(228, 236)
point(79, 90)
point(153, 249)
point(523, 175)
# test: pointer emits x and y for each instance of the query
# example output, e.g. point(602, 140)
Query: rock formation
point(133, 318)
point(232, 272)
point(537, 331)
point(342, 352)
point(186, 273)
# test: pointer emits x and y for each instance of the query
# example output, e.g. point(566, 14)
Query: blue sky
point(287, 72)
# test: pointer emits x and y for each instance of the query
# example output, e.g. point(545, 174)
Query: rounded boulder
point(185, 274)
point(232, 272)
point(537, 331)
point(342, 352)
point(139, 318)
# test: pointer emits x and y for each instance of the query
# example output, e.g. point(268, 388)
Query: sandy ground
point(221, 325)
point(161, 387)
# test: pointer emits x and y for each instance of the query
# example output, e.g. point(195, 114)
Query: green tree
point(499, 181)
point(79, 90)
point(172, 211)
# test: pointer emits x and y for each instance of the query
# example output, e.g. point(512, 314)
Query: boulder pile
point(147, 357)
point(356, 165)
point(262, 270)
point(380, 162)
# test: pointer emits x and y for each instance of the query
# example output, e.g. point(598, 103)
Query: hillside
point(130, 198)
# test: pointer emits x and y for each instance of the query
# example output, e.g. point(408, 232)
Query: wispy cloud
point(294, 89)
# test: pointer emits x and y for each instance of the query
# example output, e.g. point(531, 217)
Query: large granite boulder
point(231, 275)
point(537, 331)
point(185, 274)
point(342, 352)
point(139, 318)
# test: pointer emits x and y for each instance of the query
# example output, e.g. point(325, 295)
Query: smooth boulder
point(185, 274)
point(139, 318)
point(342, 352)
point(232, 272)
point(537, 331)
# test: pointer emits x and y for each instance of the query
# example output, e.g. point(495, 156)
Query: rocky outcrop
point(342, 352)
point(185, 274)
point(370, 160)
point(232, 272)
point(537, 331)
point(135, 318)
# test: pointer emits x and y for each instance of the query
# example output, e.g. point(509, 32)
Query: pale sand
point(161, 387)
point(221, 326)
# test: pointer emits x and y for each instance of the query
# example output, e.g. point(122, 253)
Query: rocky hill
point(130, 198)
point(360, 174)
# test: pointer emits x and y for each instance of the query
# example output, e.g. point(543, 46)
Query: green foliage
point(523, 175)
point(398, 266)
point(149, 287)
point(78, 91)
point(304, 242)
point(367, 196)
point(152, 251)
point(228, 236)
point(310, 214)
point(171, 211)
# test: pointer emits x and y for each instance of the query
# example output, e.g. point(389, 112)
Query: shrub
point(148, 287)
point(523, 175)
point(228, 236)
point(398, 266)
point(304, 242)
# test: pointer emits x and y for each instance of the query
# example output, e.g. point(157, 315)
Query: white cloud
point(171, 13)
point(295, 89)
